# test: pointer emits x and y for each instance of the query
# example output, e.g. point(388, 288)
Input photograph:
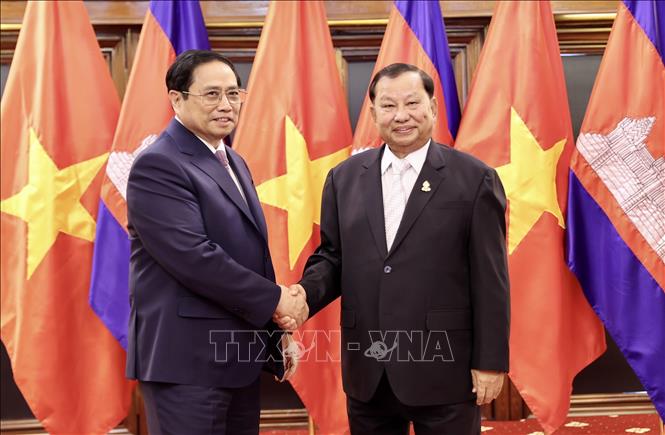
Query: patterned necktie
point(395, 201)
point(221, 156)
point(224, 160)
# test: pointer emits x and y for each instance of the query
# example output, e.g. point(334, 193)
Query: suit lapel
point(373, 198)
point(206, 162)
point(433, 173)
point(250, 192)
point(202, 158)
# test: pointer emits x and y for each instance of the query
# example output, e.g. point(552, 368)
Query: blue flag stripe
point(625, 296)
point(426, 22)
point(650, 15)
point(183, 23)
point(109, 294)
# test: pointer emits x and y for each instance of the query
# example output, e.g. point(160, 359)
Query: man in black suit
point(202, 283)
point(413, 239)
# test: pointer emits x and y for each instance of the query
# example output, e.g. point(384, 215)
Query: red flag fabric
point(59, 111)
point(294, 128)
point(517, 120)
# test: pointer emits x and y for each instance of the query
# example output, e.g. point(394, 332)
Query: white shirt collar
point(213, 149)
point(416, 159)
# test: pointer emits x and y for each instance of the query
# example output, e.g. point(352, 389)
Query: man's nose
point(224, 105)
point(401, 114)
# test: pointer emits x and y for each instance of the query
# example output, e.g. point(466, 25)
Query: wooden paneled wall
point(357, 29)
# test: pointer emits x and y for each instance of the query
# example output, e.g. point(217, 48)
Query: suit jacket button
point(387, 269)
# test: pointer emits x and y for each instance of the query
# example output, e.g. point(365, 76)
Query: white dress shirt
point(415, 160)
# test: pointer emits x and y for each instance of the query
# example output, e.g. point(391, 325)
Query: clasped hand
point(292, 309)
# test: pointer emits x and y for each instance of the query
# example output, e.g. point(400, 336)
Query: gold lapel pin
point(426, 187)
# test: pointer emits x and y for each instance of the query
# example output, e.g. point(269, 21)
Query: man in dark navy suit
point(202, 283)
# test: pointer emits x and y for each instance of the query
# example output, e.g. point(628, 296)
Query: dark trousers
point(175, 409)
point(384, 414)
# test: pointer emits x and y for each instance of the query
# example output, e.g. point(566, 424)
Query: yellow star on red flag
point(298, 192)
point(50, 202)
point(529, 180)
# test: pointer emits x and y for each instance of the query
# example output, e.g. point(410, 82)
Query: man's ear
point(434, 105)
point(176, 98)
point(372, 111)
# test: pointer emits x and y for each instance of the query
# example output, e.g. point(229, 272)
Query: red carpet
point(600, 425)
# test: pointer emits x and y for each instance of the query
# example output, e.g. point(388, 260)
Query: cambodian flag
point(169, 28)
point(416, 34)
point(616, 206)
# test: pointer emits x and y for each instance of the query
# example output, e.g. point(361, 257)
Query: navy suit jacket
point(202, 285)
point(436, 304)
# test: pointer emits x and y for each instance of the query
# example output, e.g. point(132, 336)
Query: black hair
point(179, 76)
point(396, 70)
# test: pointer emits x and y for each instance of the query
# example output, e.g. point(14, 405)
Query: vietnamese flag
point(294, 128)
point(517, 121)
point(59, 111)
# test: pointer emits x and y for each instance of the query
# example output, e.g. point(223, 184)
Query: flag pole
point(312, 430)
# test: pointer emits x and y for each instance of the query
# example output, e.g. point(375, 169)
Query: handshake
point(292, 309)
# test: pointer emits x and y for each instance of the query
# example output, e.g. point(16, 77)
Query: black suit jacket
point(435, 305)
point(201, 277)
